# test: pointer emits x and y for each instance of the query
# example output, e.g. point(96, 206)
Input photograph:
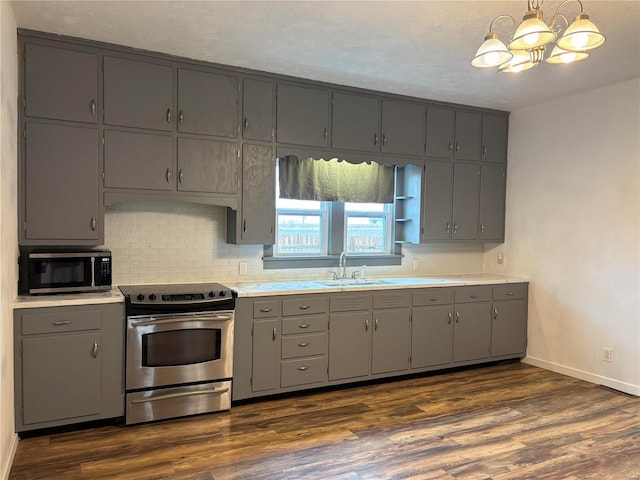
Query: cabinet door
point(208, 103)
point(61, 175)
point(60, 377)
point(471, 331)
point(266, 355)
point(466, 195)
point(440, 131)
point(138, 160)
point(61, 84)
point(438, 197)
point(494, 138)
point(509, 328)
point(257, 107)
point(492, 202)
point(303, 115)
point(207, 166)
point(258, 195)
point(402, 127)
point(391, 340)
point(468, 135)
point(138, 94)
point(432, 336)
point(349, 345)
point(356, 122)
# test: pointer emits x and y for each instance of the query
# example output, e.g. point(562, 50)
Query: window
point(367, 228)
point(302, 227)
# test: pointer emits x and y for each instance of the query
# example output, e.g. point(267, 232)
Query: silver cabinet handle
point(244, 226)
point(433, 299)
point(304, 307)
point(92, 106)
point(273, 335)
point(447, 228)
point(482, 228)
point(366, 325)
point(180, 117)
point(304, 325)
point(266, 310)
point(304, 344)
point(180, 176)
point(168, 175)
point(303, 368)
point(474, 296)
point(324, 133)
point(457, 147)
point(384, 139)
point(484, 150)
point(246, 124)
point(213, 391)
point(375, 324)
point(375, 139)
point(457, 317)
point(168, 115)
point(495, 313)
point(450, 318)
point(60, 323)
point(455, 228)
point(93, 223)
point(450, 146)
point(94, 350)
point(510, 293)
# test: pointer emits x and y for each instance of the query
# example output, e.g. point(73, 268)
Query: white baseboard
point(12, 452)
point(589, 377)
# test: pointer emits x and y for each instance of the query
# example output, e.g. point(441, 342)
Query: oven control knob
point(140, 297)
point(212, 294)
point(222, 293)
point(152, 296)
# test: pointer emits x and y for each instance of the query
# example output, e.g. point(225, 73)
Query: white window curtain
point(335, 181)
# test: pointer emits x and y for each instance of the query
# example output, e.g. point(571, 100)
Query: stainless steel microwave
point(64, 271)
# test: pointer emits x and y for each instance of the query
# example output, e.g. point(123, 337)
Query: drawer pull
point(59, 324)
point(303, 368)
point(510, 293)
point(266, 310)
point(433, 299)
point(304, 344)
point(474, 296)
point(304, 307)
point(304, 325)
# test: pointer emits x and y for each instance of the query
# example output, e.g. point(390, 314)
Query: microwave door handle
point(93, 271)
point(164, 321)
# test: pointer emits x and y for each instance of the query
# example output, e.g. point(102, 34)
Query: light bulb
point(579, 40)
point(531, 39)
point(492, 58)
point(568, 57)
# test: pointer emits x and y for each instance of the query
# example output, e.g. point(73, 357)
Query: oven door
point(175, 349)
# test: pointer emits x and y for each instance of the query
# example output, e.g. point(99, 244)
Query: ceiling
point(420, 48)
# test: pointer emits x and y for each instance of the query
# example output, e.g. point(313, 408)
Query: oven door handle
point(169, 396)
point(164, 321)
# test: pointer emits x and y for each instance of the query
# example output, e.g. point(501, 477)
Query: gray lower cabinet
point(266, 355)
point(69, 365)
point(349, 345)
point(253, 222)
point(431, 336)
point(302, 115)
point(509, 323)
point(472, 323)
point(60, 83)
point(257, 109)
point(60, 201)
point(391, 332)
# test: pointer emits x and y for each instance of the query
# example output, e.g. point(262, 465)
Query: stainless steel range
point(179, 350)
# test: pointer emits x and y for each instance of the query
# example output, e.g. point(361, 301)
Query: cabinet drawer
point(266, 309)
point(510, 291)
point(348, 303)
point(306, 370)
point(433, 296)
point(391, 300)
point(304, 306)
point(34, 323)
point(304, 345)
point(481, 293)
point(304, 324)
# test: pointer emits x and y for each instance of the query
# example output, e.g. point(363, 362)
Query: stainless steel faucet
point(343, 264)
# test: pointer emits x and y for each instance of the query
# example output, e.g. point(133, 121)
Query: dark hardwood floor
point(500, 422)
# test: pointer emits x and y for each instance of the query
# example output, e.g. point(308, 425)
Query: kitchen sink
point(351, 282)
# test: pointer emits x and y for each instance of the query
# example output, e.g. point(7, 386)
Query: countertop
point(68, 299)
point(291, 287)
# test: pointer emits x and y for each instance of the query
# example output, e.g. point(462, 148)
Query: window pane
point(366, 234)
point(365, 207)
point(285, 203)
point(299, 234)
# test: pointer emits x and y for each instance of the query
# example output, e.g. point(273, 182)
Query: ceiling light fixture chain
point(528, 44)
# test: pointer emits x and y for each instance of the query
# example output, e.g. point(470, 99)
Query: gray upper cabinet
point(61, 202)
point(257, 109)
point(466, 192)
point(494, 138)
point(207, 166)
point(254, 222)
point(492, 202)
point(138, 94)
point(356, 122)
point(138, 161)
point(402, 127)
point(453, 133)
point(437, 204)
point(208, 103)
point(302, 115)
point(61, 84)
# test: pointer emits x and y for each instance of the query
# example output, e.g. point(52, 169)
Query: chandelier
point(531, 38)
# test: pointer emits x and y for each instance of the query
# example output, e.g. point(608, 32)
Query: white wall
point(8, 227)
point(573, 228)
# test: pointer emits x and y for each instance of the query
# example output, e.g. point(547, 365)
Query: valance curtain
point(335, 181)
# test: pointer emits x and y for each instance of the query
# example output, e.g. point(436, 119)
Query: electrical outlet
point(242, 267)
point(607, 355)
point(500, 258)
point(416, 264)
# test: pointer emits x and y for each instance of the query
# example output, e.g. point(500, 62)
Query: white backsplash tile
point(164, 242)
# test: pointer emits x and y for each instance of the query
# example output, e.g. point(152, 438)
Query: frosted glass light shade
point(491, 53)
point(559, 55)
point(521, 61)
point(581, 35)
point(531, 33)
